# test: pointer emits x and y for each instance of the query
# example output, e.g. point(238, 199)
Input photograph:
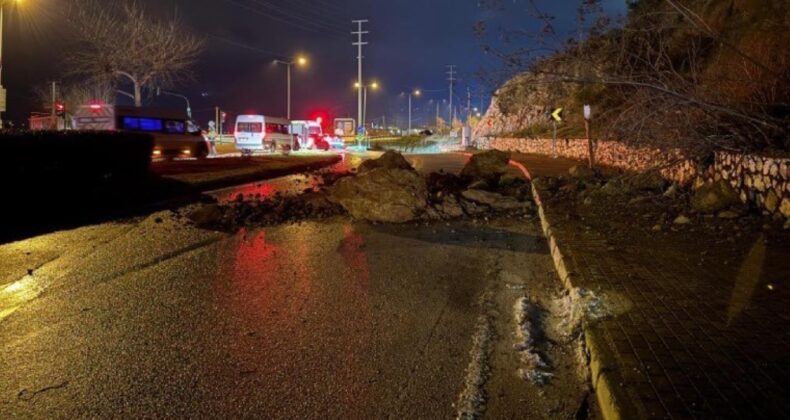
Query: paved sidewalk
point(707, 329)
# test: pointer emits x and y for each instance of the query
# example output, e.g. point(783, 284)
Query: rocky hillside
point(694, 74)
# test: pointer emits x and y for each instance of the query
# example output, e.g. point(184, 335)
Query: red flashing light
point(95, 107)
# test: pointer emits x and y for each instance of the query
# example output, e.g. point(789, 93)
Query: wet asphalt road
point(334, 319)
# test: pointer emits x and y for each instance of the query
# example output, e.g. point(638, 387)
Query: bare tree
point(119, 43)
point(74, 94)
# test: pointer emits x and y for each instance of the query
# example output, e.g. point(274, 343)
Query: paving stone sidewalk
point(707, 329)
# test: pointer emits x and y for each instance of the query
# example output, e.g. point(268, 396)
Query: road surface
point(333, 319)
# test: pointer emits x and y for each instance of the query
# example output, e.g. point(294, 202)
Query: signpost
point(556, 117)
point(590, 147)
point(3, 96)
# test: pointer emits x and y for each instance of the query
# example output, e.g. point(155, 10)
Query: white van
point(261, 133)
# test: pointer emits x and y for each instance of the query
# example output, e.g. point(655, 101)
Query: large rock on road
point(389, 160)
point(382, 195)
point(488, 166)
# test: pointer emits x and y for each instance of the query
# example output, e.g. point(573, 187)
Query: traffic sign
point(587, 112)
point(557, 114)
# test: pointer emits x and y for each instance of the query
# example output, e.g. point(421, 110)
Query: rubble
point(206, 215)
point(581, 172)
point(389, 160)
point(648, 181)
point(488, 166)
point(386, 190)
point(382, 195)
point(714, 197)
point(493, 200)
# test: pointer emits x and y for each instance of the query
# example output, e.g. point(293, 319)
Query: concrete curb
point(613, 401)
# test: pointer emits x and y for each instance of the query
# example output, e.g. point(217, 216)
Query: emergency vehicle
point(310, 135)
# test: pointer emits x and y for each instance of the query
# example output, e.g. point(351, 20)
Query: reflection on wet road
point(330, 319)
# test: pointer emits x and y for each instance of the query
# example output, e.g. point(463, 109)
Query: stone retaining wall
point(761, 181)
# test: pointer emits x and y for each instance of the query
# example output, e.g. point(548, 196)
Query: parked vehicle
point(345, 128)
point(310, 135)
point(175, 136)
point(262, 133)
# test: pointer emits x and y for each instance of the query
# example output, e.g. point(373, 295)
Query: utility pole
point(359, 44)
point(437, 116)
point(3, 93)
point(216, 122)
point(451, 79)
point(468, 104)
point(54, 118)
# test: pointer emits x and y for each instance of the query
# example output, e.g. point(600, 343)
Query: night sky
point(411, 42)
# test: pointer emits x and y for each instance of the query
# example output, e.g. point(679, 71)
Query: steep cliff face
point(518, 106)
point(495, 123)
point(725, 67)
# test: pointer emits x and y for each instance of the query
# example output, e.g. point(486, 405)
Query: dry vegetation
point(694, 74)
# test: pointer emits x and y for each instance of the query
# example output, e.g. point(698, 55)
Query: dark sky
point(411, 42)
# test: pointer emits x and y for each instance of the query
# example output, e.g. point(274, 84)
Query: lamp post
point(374, 86)
point(415, 93)
point(3, 93)
point(300, 61)
point(160, 92)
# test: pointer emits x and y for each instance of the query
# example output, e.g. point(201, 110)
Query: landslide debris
point(385, 190)
point(619, 204)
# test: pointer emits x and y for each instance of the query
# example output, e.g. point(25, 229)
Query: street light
point(415, 93)
point(300, 61)
point(373, 86)
point(3, 93)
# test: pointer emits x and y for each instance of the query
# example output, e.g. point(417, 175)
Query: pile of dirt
point(386, 190)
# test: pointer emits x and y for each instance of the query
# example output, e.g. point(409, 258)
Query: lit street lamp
point(372, 86)
point(3, 93)
point(300, 61)
point(415, 93)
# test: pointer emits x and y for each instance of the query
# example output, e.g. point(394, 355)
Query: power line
point(248, 47)
point(285, 20)
point(321, 10)
point(301, 15)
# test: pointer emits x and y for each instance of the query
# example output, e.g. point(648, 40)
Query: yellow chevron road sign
point(557, 114)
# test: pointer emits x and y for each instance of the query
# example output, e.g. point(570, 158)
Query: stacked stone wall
point(761, 181)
